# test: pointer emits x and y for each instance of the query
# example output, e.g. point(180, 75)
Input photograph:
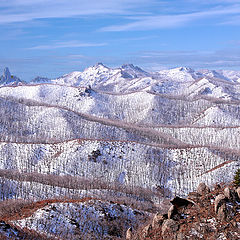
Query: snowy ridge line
point(120, 93)
point(76, 182)
point(88, 220)
point(197, 98)
point(173, 97)
point(30, 207)
point(217, 167)
point(201, 115)
point(224, 81)
point(216, 80)
point(41, 84)
point(76, 87)
point(168, 96)
point(117, 93)
point(148, 133)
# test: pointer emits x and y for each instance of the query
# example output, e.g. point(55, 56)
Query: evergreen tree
point(237, 177)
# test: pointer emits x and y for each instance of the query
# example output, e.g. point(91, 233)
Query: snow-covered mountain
point(128, 78)
point(116, 134)
point(104, 78)
point(177, 81)
point(233, 76)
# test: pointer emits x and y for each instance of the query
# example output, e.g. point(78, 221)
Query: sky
point(50, 38)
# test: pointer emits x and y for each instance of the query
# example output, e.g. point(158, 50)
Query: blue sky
point(53, 37)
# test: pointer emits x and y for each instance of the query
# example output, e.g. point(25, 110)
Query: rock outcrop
point(157, 220)
point(169, 226)
point(204, 214)
point(147, 230)
point(219, 201)
point(203, 189)
point(129, 234)
point(238, 192)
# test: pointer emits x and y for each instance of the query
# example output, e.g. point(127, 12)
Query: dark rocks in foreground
point(204, 214)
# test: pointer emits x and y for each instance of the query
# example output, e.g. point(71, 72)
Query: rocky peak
point(180, 70)
point(132, 67)
point(6, 73)
point(131, 71)
point(7, 78)
point(129, 65)
point(185, 69)
point(100, 65)
point(97, 68)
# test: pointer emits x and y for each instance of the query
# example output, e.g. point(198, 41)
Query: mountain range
point(119, 136)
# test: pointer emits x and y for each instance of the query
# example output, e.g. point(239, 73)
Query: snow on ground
point(89, 220)
point(109, 126)
point(126, 164)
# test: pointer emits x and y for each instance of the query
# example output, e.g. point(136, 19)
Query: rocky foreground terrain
point(204, 214)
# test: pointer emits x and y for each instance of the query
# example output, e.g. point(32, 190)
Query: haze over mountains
point(123, 132)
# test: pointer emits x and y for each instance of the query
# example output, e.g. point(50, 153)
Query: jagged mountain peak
point(6, 73)
point(128, 65)
point(98, 68)
point(7, 78)
point(131, 66)
point(183, 68)
point(100, 64)
point(187, 70)
point(131, 71)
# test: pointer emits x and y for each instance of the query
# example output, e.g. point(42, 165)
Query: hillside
point(113, 136)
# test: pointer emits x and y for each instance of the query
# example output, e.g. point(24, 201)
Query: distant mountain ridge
point(131, 78)
point(39, 79)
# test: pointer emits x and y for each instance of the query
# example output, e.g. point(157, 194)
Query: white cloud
point(12, 11)
point(27, 10)
point(234, 20)
point(229, 58)
point(169, 21)
point(68, 44)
